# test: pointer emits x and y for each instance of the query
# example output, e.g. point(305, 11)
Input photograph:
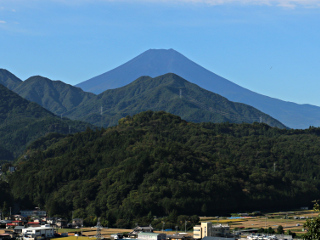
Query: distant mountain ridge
point(156, 62)
point(56, 96)
point(196, 104)
point(169, 93)
point(9, 80)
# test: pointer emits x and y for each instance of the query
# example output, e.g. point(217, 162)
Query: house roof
point(19, 227)
point(149, 233)
point(11, 224)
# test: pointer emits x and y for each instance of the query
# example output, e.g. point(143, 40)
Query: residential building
point(139, 229)
point(36, 212)
point(77, 222)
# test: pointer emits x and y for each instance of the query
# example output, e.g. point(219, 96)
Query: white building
point(206, 229)
point(37, 233)
point(151, 236)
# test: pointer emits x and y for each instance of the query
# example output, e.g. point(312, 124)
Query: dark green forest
point(22, 122)
point(156, 164)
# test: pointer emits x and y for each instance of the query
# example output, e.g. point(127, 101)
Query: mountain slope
point(22, 122)
point(155, 163)
point(158, 62)
point(9, 80)
point(56, 96)
point(169, 93)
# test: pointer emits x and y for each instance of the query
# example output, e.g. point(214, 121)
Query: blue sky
point(270, 46)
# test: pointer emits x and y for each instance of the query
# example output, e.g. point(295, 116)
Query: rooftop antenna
point(260, 119)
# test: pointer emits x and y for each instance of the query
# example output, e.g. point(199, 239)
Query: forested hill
point(169, 93)
point(155, 163)
point(55, 96)
point(22, 122)
point(9, 80)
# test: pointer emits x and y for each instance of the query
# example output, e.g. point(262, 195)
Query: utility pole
point(266, 222)
point(101, 117)
point(98, 234)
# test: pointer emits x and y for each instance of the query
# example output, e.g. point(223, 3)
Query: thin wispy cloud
point(2, 22)
point(280, 3)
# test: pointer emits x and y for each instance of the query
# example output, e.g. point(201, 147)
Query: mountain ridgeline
point(156, 62)
point(9, 80)
point(169, 93)
point(155, 163)
point(56, 96)
point(22, 122)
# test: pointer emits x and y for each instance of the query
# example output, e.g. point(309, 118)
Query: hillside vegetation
point(22, 122)
point(154, 163)
point(169, 93)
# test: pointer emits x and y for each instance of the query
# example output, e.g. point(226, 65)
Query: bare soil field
point(292, 221)
point(105, 232)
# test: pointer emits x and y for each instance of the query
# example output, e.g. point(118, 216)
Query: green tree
point(313, 226)
point(280, 230)
point(4, 209)
point(270, 230)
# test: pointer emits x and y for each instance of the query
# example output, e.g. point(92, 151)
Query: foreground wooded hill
point(154, 163)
